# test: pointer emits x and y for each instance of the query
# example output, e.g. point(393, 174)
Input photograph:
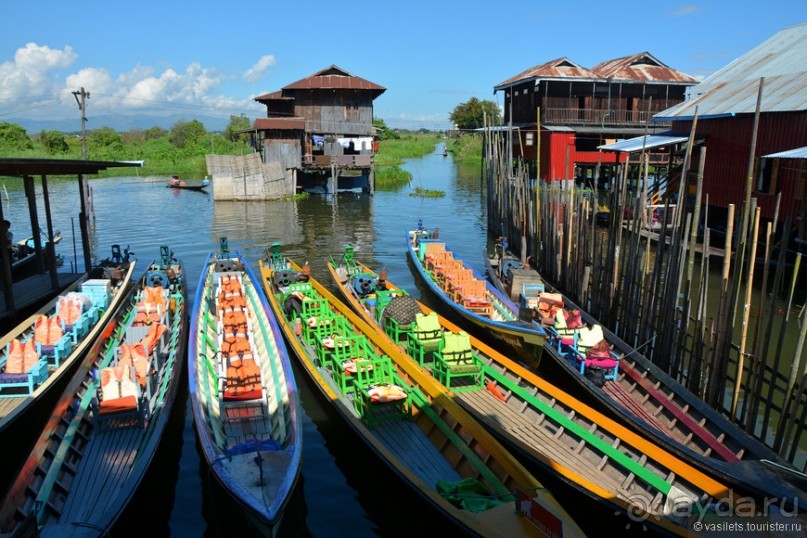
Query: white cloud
point(31, 74)
point(686, 9)
point(257, 72)
point(36, 83)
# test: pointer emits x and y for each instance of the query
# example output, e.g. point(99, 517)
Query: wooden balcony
point(598, 117)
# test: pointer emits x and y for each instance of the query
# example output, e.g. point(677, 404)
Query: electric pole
point(82, 105)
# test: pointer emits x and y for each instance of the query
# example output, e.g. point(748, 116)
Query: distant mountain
point(119, 123)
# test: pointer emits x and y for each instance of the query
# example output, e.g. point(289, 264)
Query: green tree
point(384, 132)
point(237, 123)
point(188, 133)
point(14, 137)
point(155, 133)
point(470, 115)
point(53, 142)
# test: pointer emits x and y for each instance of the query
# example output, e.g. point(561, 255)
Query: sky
point(175, 58)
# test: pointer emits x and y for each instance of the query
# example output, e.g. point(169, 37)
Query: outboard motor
point(364, 284)
point(284, 278)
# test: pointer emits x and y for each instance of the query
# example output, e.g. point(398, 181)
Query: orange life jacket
point(16, 358)
point(69, 310)
point(116, 383)
point(135, 355)
point(153, 336)
point(48, 331)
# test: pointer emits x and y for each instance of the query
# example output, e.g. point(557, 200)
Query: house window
point(767, 172)
point(530, 139)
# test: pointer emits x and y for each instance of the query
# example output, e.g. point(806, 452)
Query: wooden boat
point(24, 257)
point(200, 187)
point(107, 425)
point(644, 396)
point(590, 452)
point(244, 398)
point(467, 293)
point(405, 417)
point(61, 349)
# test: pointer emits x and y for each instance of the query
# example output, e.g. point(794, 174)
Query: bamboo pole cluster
point(650, 284)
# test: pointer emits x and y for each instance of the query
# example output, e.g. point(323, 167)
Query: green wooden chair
point(426, 337)
point(347, 358)
point(371, 377)
point(390, 325)
point(455, 359)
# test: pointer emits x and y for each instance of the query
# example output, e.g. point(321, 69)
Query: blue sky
point(184, 58)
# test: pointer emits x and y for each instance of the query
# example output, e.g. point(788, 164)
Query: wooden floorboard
point(618, 393)
point(542, 440)
point(7, 405)
point(409, 444)
point(103, 469)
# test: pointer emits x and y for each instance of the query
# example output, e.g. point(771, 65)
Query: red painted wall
point(728, 143)
point(553, 156)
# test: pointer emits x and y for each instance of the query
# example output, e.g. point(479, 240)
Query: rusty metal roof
point(335, 78)
point(559, 68)
point(733, 89)
point(641, 67)
point(274, 96)
point(291, 124)
point(796, 153)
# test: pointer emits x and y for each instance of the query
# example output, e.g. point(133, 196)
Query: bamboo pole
point(746, 311)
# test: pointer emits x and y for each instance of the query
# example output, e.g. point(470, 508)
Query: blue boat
point(243, 394)
point(469, 294)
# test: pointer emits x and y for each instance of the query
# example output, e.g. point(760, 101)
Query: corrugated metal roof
point(31, 167)
point(797, 153)
point(274, 96)
point(559, 68)
point(335, 78)
point(641, 67)
point(782, 60)
point(279, 123)
point(632, 145)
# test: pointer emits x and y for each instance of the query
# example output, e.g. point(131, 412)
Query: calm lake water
point(344, 490)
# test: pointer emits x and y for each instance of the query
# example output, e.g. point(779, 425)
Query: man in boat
point(9, 238)
point(205, 182)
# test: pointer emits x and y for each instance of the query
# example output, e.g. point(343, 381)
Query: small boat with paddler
point(404, 416)
point(243, 394)
point(107, 425)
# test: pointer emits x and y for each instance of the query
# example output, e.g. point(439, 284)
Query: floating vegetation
point(295, 197)
point(427, 193)
point(391, 178)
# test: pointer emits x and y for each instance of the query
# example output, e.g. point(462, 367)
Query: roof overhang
point(57, 167)
point(286, 124)
point(632, 145)
point(795, 153)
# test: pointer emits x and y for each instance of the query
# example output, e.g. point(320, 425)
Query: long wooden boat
point(644, 396)
point(468, 294)
point(405, 417)
point(592, 453)
point(243, 394)
point(24, 257)
point(77, 316)
point(107, 425)
point(183, 186)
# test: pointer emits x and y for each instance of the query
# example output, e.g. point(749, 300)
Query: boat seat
point(455, 359)
point(377, 396)
point(547, 307)
point(22, 370)
point(593, 351)
point(119, 400)
point(473, 295)
point(350, 353)
point(52, 342)
point(427, 334)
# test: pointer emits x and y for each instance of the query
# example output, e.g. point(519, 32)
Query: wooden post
point(51, 248)
point(746, 312)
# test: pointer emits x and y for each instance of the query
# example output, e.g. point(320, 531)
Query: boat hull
point(641, 388)
point(523, 335)
point(264, 517)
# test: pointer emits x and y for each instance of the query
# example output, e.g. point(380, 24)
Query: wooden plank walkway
point(33, 290)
